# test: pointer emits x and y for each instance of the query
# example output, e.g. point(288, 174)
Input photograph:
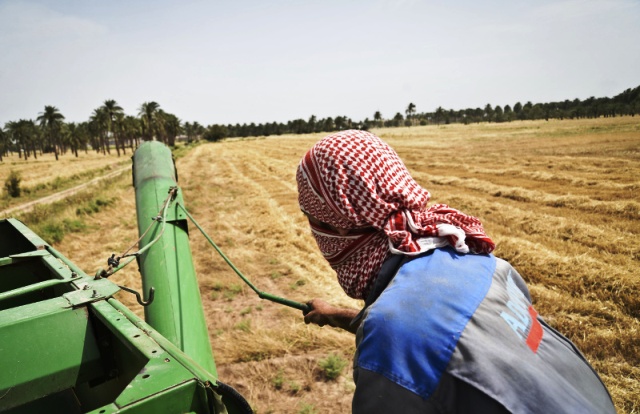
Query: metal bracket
point(90, 291)
point(139, 297)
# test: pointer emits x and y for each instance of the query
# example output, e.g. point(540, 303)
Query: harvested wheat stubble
point(560, 199)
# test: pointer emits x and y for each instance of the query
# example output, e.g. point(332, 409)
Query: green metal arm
point(263, 295)
point(165, 258)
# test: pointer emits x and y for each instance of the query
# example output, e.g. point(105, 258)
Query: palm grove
point(109, 128)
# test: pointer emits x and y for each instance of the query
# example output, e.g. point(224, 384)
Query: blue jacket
point(456, 333)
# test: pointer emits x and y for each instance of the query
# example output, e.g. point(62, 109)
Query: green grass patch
point(332, 366)
point(51, 221)
point(294, 387)
point(232, 291)
point(228, 292)
point(182, 149)
point(278, 380)
point(12, 184)
point(53, 231)
point(307, 409)
point(63, 183)
point(244, 325)
point(297, 284)
point(276, 275)
point(94, 206)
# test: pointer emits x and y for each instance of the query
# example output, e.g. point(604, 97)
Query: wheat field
point(561, 200)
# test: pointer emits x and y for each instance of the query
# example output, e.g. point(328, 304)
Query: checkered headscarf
point(353, 180)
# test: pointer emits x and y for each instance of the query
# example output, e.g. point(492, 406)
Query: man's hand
point(322, 313)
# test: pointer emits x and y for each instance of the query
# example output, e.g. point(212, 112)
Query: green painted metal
point(32, 288)
point(167, 264)
point(67, 346)
point(36, 359)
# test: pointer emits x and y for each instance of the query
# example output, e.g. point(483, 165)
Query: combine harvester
point(67, 346)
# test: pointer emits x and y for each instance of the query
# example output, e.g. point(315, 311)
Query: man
point(447, 327)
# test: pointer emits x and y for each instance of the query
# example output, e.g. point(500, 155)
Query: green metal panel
point(160, 371)
point(183, 398)
point(31, 276)
point(36, 359)
point(17, 238)
point(167, 266)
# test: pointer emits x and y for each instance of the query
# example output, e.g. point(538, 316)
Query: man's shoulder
point(419, 317)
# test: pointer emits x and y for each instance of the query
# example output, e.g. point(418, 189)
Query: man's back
point(457, 333)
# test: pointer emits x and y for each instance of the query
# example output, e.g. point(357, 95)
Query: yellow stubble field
point(560, 198)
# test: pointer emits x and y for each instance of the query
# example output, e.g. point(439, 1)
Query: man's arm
point(322, 313)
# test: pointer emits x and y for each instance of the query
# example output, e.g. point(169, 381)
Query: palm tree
point(99, 128)
point(340, 122)
point(193, 131)
point(411, 109)
point(10, 128)
point(4, 143)
point(397, 119)
point(189, 131)
point(172, 128)
point(148, 114)
point(131, 130)
point(119, 131)
point(160, 126)
point(26, 136)
point(113, 110)
point(199, 130)
point(488, 112)
point(311, 124)
point(77, 136)
point(378, 118)
point(439, 115)
point(51, 122)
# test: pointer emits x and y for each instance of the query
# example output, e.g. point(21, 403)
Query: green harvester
point(68, 346)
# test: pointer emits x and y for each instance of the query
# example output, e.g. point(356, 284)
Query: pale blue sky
point(263, 61)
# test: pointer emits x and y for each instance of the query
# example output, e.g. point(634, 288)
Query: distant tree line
point(626, 103)
point(299, 126)
point(109, 127)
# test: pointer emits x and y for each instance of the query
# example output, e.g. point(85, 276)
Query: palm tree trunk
point(55, 147)
point(115, 141)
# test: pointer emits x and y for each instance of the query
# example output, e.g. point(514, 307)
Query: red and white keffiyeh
point(353, 181)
